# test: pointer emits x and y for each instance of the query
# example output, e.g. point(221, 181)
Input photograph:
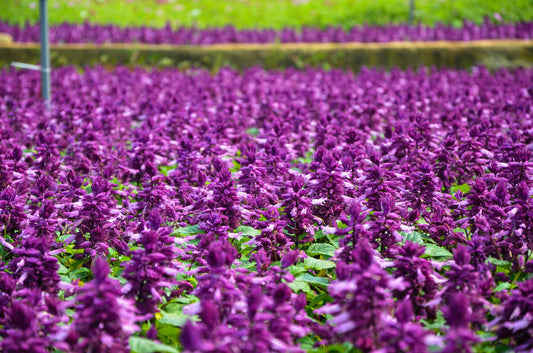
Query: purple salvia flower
point(298, 212)
point(514, 319)
point(103, 320)
point(150, 270)
point(458, 315)
point(362, 299)
point(424, 281)
point(400, 334)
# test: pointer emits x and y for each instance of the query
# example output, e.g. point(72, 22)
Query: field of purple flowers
point(296, 211)
point(91, 33)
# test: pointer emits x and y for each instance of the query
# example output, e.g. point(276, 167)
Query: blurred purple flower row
point(91, 33)
point(267, 210)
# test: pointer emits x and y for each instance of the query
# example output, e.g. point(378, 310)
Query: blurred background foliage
point(266, 13)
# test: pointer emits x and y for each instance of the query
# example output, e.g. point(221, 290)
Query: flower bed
point(266, 211)
point(90, 33)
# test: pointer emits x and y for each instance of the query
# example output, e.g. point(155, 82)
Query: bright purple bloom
point(103, 320)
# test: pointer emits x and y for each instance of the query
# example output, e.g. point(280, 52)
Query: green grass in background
point(264, 13)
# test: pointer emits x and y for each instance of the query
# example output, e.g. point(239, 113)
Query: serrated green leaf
point(174, 319)
point(144, 345)
point(308, 278)
point(298, 286)
point(318, 264)
point(297, 269)
point(413, 237)
point(433, 250)
point(321, 249)
point(249, 231)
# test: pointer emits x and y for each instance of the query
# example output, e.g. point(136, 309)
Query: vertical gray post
point(411, 12)
point(45, 53)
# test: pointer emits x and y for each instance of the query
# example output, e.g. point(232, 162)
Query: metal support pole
point(411, 12)
point(45, 54)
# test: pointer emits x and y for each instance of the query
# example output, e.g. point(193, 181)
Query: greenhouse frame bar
point(45, 53)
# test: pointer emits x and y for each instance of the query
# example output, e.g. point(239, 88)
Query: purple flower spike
point(458, 314)
point(289, 258)
point(515, 317)
point(103, 320)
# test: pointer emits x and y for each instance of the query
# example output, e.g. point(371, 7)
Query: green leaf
point(298, 286)
point(464, 188)
point(80, 273)
point(174, 319)
point(413, 237)
point(164, 169)
point(63, 237)
point(253, 131)
point(297, 269)
point(249, 231)
point(62, 268)
point(433, 250)
point(317, 264)
point(189, 230)
point(69, 249)
point(321, 249)
point(308, 278)
point(438, 324)
point(168, 334)
point(335, 348)
point(320, 300)
point(307, 343)
point(502, 286)
point(236, 167)
point(499, 262)
point(143, 345)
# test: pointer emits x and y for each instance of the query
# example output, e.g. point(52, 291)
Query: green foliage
point(432, 251)
point(308, 342)
point(321, 249)
point(260, 13)
point(464, 188)
point(247, 231)
point(313, 280)
point(143, 345)
point(189, 230)
point(499, 262)
point(502, 286)
point(435, 251)
point(317, 264)
point(436, 325)
point(253, 131)
point(177, 319)
point(164, 169)
point(300, 286)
